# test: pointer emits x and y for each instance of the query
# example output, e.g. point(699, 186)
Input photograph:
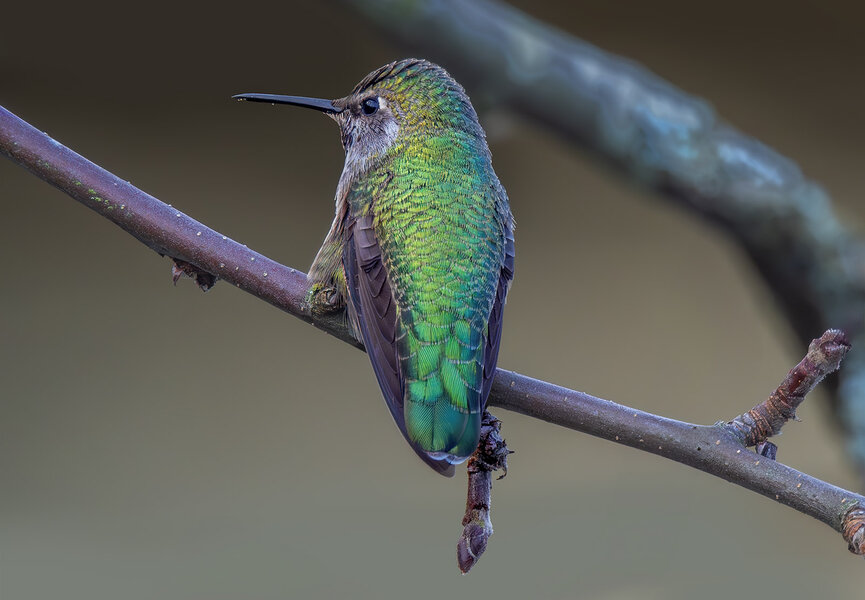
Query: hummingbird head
point(410, 98)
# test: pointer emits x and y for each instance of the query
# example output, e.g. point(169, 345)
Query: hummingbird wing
point(375, 311)
point(494, 327)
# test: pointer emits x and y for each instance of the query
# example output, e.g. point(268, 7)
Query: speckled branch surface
point(668, 141)
point(716, 449)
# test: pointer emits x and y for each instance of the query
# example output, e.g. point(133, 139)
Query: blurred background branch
point(665, 140)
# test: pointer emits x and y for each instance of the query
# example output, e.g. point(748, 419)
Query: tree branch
point(666, 140)
point(717, 449)
point(491, 455)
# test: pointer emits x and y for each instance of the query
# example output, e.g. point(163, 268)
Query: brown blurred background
point(161, 443)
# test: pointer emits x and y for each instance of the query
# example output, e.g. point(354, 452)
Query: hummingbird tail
point(441, 429)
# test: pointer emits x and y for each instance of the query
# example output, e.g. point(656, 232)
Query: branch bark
point(717, 449)
point(668, 141)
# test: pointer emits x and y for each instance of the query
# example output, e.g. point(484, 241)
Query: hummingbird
point(420, 251)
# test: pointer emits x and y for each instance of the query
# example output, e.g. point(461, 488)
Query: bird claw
point(323, 299)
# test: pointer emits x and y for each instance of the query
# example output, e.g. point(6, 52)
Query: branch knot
point(853, 529)
point(205, 280)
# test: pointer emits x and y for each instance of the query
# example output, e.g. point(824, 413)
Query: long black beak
point(314, 103)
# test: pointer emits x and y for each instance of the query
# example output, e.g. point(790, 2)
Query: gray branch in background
point(669, 142)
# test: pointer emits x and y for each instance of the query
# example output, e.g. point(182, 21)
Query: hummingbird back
point(429, 259)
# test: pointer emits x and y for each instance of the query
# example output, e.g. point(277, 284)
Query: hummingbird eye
point(369, 106)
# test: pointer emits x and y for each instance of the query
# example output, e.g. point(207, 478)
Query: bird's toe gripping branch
point(324, 299)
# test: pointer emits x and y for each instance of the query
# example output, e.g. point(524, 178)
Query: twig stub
point(766, 419)
point(491, 455)
point(853, 529)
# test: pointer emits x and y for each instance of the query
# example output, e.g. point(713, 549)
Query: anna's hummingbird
point(421, 250)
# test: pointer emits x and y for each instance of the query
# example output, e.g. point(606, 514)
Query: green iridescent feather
point(427, 240)
point(440, 224)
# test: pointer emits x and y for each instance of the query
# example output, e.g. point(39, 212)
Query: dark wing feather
point(375, 311)
point(494, 327)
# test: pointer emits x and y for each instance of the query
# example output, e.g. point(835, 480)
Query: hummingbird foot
point(327, 302)
point(324, 299)
point(491, 455)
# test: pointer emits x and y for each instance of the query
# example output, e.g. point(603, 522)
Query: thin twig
point(766, 419)
point(713, 449)
point(491, 455)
